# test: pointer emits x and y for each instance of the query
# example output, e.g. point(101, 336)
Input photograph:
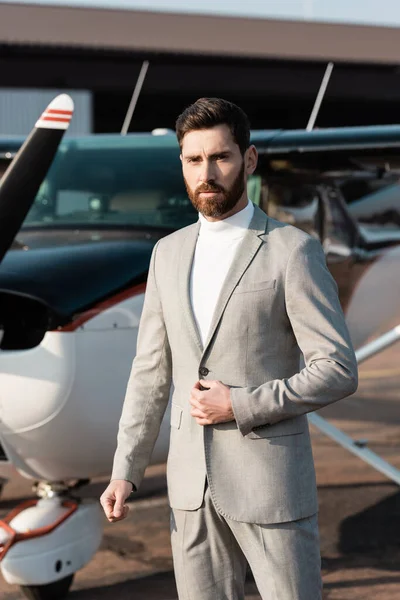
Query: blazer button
point(204, 371)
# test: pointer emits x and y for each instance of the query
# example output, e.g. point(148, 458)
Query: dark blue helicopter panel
point(69, 279)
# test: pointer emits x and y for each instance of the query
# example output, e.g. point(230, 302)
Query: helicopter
point(72, 287)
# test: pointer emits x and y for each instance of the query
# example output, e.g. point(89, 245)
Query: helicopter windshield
point(108, 181)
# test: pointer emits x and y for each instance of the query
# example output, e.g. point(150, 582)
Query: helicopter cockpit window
point(72, 201)
point(113, 185)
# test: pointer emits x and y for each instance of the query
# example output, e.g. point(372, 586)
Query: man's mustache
point(207, 187)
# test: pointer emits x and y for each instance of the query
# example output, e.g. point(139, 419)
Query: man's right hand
point(113, 499)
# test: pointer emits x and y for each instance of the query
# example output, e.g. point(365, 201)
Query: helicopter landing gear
point(57, 589)
point(44, 541)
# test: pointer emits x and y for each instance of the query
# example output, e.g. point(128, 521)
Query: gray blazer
point(277, 301)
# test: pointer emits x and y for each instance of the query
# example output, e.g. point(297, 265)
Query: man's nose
point(207, 172)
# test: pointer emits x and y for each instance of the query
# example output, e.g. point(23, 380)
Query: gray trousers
point(210, 554)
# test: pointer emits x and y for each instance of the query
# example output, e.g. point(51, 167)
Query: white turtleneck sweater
point(216, 246)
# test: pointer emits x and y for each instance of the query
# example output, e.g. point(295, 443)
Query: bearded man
point(231, 304)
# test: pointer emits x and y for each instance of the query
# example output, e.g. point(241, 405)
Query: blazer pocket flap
point(287, 427)
point(255, 286)
point(176, 415)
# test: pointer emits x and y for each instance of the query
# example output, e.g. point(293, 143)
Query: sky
point(371, 12)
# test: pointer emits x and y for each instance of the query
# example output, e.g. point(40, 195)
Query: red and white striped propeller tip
point(58, 114)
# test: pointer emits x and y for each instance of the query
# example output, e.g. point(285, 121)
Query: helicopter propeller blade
point(22, 180)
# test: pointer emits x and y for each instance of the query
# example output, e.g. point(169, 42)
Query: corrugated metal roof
point(143, 31)
point(385, 12)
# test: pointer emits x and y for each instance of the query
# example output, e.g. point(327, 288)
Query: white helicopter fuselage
point(60, 402)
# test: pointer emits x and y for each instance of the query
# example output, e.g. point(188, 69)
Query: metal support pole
point(382, 342)
point(358, 448)
point(320, 97)
point(135, 96)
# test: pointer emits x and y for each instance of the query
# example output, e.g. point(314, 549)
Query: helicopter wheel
point(51, 591)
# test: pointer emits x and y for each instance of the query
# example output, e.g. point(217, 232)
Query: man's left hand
point(212, 405)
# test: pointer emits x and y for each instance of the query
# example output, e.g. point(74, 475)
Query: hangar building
point(267, 56)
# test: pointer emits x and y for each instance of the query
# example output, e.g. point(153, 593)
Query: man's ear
point(180, 156)
point(251, 159)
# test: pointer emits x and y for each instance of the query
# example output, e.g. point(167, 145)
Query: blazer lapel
point(247, 250)
point(185, 267)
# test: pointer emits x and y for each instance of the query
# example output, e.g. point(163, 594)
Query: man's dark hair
point(210, 112)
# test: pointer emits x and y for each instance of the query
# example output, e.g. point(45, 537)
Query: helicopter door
point(296, 203)
point(340, 240)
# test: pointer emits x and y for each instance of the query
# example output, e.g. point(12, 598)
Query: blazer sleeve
point(318, 323)
point(148, 389)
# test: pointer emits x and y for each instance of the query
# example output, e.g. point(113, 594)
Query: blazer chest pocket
point(283, 428)
point(255, 286)
point(176, 415)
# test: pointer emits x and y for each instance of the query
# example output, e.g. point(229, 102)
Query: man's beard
point(216, 206)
